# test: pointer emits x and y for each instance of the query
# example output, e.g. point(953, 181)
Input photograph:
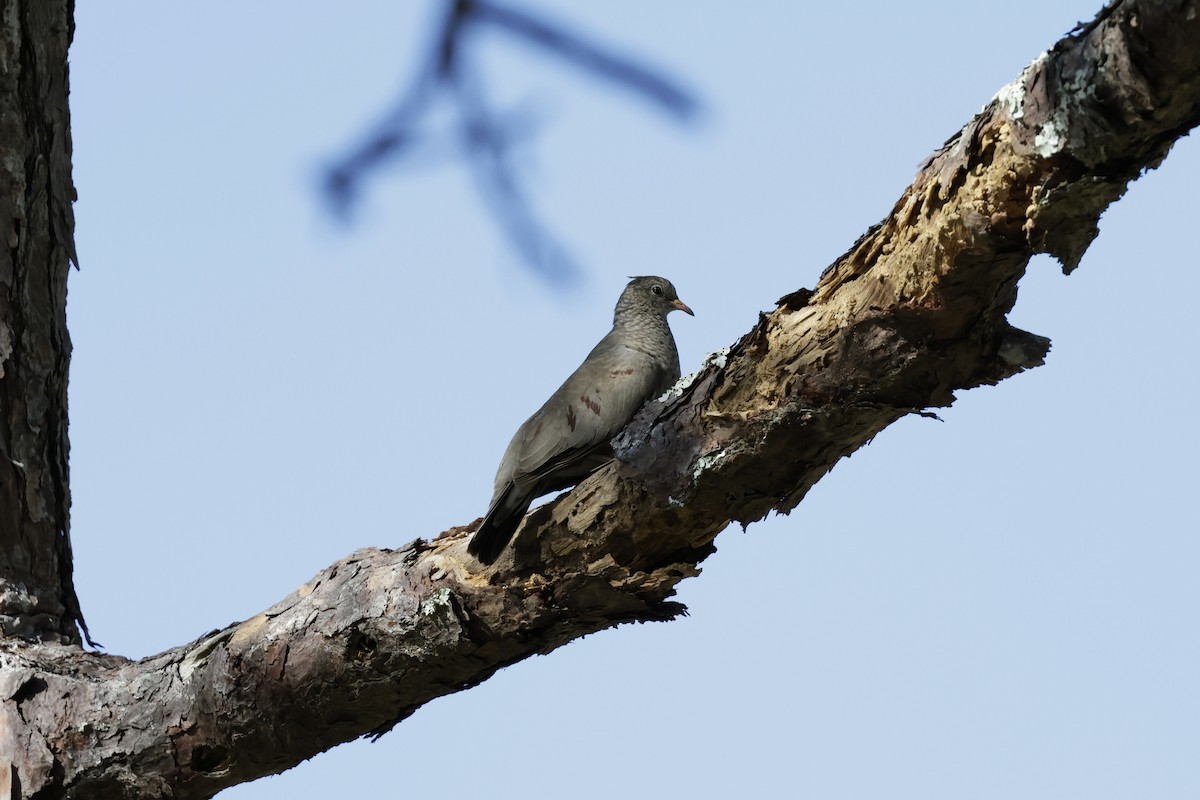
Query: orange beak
point(682, 307)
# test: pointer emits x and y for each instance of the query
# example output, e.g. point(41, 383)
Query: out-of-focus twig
point(485, 134)
point(591, 58)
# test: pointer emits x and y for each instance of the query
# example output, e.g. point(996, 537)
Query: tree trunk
point(915, 311)
point(37, 597)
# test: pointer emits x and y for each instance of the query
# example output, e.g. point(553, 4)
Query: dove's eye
point(656, 289)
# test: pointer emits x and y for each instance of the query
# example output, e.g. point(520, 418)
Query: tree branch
point(913, 312)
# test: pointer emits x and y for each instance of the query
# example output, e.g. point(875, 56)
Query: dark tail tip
point(492, 537)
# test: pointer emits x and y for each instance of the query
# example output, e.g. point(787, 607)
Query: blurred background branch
point(485, 134)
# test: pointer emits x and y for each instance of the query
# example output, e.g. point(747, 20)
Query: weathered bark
point(915, 311)
point(37, 597)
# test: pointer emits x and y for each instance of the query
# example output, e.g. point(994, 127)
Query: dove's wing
point(586, 412)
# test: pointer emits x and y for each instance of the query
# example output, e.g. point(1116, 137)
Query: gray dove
point(570, 436)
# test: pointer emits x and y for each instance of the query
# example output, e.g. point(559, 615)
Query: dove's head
point(649, 295)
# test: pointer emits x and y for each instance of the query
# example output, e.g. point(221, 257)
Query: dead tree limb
point(913, 312)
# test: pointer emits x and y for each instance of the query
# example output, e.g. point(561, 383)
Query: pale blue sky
point(999, 605)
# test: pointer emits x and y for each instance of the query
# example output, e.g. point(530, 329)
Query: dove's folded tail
point(498, 527)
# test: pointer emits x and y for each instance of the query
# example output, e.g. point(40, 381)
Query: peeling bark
point(915, 311)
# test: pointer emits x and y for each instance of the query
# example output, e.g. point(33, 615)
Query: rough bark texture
point(37, 598)
point(912, 313)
